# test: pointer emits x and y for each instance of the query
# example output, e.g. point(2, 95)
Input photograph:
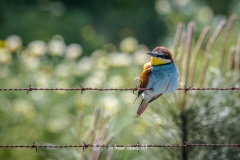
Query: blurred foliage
point(94, 23)
point(103, 44)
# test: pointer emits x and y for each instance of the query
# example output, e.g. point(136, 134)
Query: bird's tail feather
point(139, 94)
point(142, 107)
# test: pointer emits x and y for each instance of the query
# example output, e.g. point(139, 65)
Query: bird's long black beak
point(153, 54)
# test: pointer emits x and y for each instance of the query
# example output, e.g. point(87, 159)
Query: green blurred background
point(102, 44)
point(93, 24)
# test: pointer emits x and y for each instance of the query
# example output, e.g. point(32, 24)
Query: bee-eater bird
point(160, 74)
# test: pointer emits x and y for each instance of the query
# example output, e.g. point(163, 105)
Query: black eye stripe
point(164, 56)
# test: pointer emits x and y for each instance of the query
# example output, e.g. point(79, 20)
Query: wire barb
point(31, 89)
point(186, 89)
point(138, 146)
point(82, 89)
point(85, 146)
point(135, 89)
point(34, 146)
point(238, 144)
point(233, 87)
point(188, 145)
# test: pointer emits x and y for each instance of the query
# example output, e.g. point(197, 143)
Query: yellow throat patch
point(157, 61)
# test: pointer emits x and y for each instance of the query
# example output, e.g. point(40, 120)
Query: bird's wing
point(144, 77)
point(155, 97)
point(147, 69)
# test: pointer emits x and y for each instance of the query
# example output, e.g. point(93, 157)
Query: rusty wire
point(137, 146)
point(116, 146)
point(185, 88)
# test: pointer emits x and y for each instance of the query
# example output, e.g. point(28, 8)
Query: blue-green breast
point(163, 79)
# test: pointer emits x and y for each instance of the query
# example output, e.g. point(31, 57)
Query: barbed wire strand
point(145, 146)
point(82, 89)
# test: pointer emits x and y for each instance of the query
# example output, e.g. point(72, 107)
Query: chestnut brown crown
point(165, 51)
